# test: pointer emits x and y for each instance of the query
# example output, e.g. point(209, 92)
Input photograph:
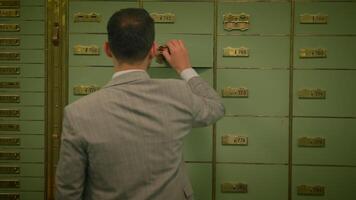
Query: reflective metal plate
point(87, 17)
point(241, 92)
point(236, 21)
point(311, 142)
point(6, 155)
point(313, 18)
point(9, 12)
point(10, 28)
point(9, 3)
point(4, 70)
point(9, 98)
point(163, 17)
point(9, 41)
point(234, 187)
point(9, 196)
point(85, 89)
point(312, 190)
point(9, 184)
point(9, 170)
point(236, 52)
point(10, 141)
point(9, 127)
point(9, 84)
point(313, 53)
point(9, 56)
point(9, 113)
point(312, 94)
point(234, 140)
point(86, 50)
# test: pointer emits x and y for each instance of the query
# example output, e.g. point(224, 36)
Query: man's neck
point(135, 66)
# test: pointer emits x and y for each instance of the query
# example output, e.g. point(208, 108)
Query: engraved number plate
point(9, 56)
point(9, 28)
point(9, 184)
point(9, 127)
point(87, 17)
point(5, 155)
point(234, 140)
point(85, 89)
point(313, 53)
point(9, 41)
point(9, 196)
point(9, 84)
point(9, 113)
point(234, 187)
point(236, 52)
point(313, 18)
point(163, 17)
point(9, 170)
point(9, 3)
point(312, 190)
point(241, 92)
point(311, 142)
point(312, 94)
point(236, 21)
point(9, 70)
point(86, 50)
point(10, 141)
point(9, 13)
point(9, 98)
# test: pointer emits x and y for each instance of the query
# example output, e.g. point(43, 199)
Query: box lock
point(234, 187)
point(236, 21)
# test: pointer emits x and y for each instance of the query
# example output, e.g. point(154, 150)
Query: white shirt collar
point(119, 73)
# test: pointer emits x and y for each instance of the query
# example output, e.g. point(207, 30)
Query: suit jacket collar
point(127, 78)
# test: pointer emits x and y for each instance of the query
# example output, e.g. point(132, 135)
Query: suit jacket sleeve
point(71, 169)
point(206, 104)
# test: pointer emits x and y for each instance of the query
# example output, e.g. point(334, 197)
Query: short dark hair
point(130, 34)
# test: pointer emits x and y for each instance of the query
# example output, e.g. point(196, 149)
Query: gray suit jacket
point(124, 142)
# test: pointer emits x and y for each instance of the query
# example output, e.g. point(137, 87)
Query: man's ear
point(153, 50)
point(107, 49)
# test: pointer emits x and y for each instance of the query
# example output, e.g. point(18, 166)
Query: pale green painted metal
point(201, 178)
point(26, 169)
point(26, 71)
point(198, 145)
point(26, 113)
point(26, 84)
point(27, 156)
point(26, 141)
point(26, 41)
point(26, 127)
point(27, 13)
point(26, 99)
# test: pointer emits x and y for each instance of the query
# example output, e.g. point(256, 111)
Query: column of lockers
point(22, 99)
point(324, 100)
point(253, 61)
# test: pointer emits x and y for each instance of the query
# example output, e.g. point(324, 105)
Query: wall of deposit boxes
point(286, 71)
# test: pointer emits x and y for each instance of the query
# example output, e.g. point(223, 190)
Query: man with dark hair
point(124, 142)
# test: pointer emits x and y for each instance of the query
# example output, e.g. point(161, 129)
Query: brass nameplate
point(313, 53)
point(311, 190)
point(313, 18)
point(240, 92)
point(9, 196)
point(236, 21)
point(311, 142)
point(234, 140)
point(312, 94)
point(9, 170)
point(163, 17)
point(9, 127)
point(236, 52)
point(9, 84)
point(9, 98)
point(9, 12)
point(9, 28)
point(86, 50)
point(9, 184)
point(232, 187)
point(9, 113)
point(9, 56)
point(85, 89)
point(9, 41)
point(87, 17)
point(9, 3)
point(5, 155)
point(10, 141)
point(9, 70)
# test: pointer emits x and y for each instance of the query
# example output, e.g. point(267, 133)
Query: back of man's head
point(130, 34)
